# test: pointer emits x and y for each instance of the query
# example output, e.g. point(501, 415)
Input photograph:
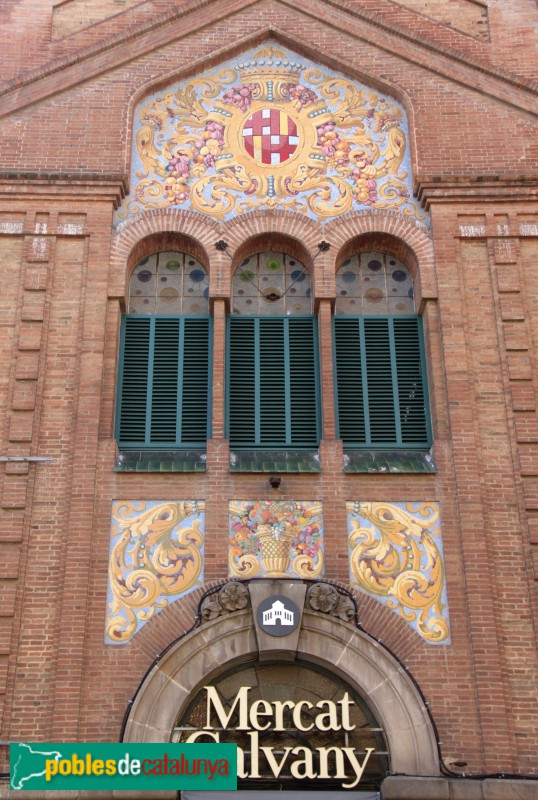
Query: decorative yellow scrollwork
point(270, 132)
point(396, 555)
point(157, 555)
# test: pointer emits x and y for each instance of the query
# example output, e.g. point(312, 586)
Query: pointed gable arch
point(270, 130)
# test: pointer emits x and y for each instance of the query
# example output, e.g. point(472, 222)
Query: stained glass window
point(271, 284)
point(374, 283)
point(169, 283)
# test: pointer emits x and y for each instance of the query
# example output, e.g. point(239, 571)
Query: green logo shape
point(85, 766)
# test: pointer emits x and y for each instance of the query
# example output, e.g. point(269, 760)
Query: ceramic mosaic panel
point(156, 557)
point(282, 539)
point(270, 130)
point(396, 556)
point(374, 283)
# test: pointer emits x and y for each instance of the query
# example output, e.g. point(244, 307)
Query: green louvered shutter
point(380, 382)
point(164, 382)
point(133, 384)
point(272, 388)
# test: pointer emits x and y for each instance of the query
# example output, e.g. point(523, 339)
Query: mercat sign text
point(346, 763)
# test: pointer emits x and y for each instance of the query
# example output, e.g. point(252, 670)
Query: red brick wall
point(61, 302)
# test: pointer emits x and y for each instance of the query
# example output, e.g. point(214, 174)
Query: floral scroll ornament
point(396, 555)
point(156, 557)
point(270, 132)
point(275, 539)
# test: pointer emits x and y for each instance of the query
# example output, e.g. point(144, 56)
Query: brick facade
point(68, 100)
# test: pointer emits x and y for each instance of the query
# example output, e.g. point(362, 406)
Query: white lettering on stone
point(279, 706)
point(356, 764)
point(344, 757)
point(472, 230)
point(260, 708)
point(39, 249)
point(199, 734)
point(528, 229)
point(297, 711)
point(10, 227)
point(329, 720)
point(70, 229)
point(306, 762)
point(346, 704)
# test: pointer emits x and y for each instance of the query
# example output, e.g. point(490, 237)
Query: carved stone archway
point(323, 639)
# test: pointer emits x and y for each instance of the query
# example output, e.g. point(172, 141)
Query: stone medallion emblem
point(278, 615)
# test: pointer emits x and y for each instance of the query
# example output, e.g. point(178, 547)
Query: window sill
point(160, 461)
point(276, 461)
point(385, 461)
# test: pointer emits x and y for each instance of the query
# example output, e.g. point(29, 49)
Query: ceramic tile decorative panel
point(396, 556)
point(270, 130)
point(156, 557)
point(281, 539)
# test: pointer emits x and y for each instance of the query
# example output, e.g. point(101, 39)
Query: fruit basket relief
point(275, 539)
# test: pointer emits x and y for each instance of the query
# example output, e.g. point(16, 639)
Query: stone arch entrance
point(233, 638)
point(297, 727)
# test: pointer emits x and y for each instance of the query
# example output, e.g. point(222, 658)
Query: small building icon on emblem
point(278, 611)
point(278, 615)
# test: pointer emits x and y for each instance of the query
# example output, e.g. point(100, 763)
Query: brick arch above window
point(165, 229)
point(380, 231)
point(167, 241)
point(285, 231)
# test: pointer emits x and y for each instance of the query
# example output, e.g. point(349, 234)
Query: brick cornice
point(177, 24)
point(41, 186)
point(172, 25)
point(446, 63)
point(484, 188)
point(453, 49)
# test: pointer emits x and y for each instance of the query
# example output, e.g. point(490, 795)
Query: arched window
point(271, 284)
point(374, 283)
point(164, 372)
point(169, 283)
point(273, 385)
point(381, 387)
